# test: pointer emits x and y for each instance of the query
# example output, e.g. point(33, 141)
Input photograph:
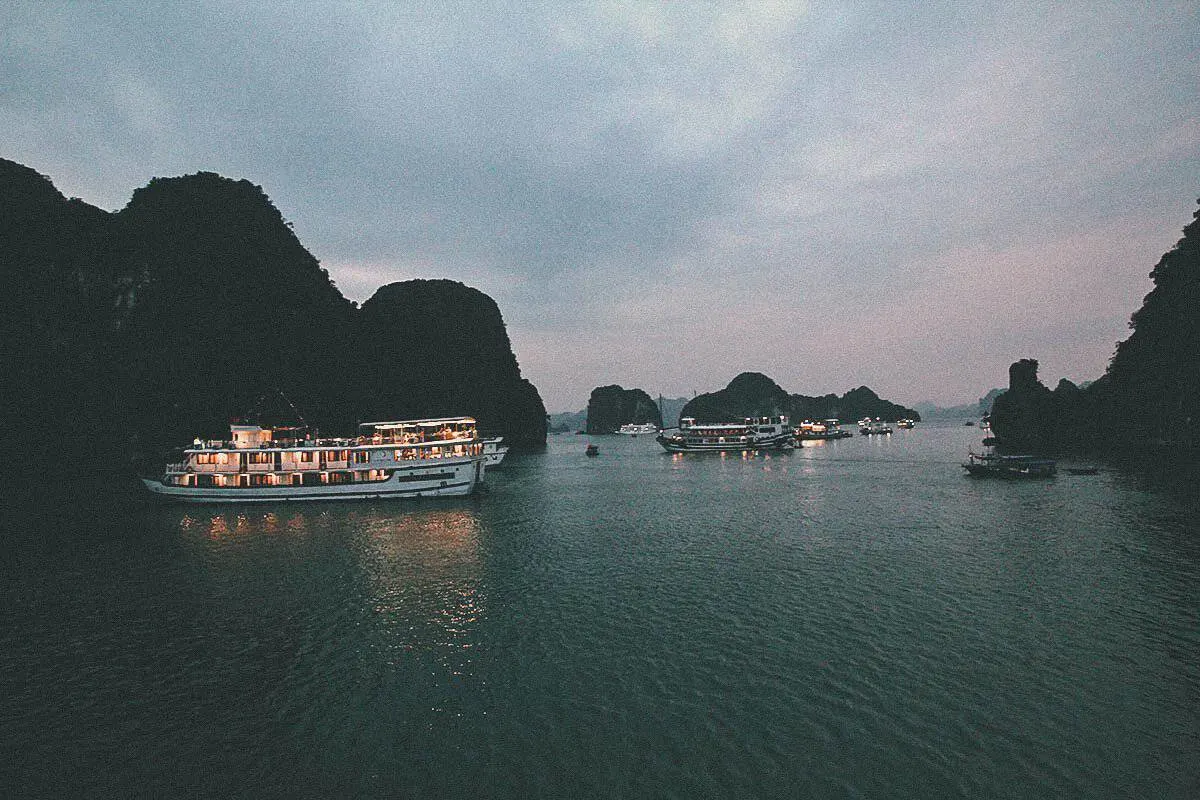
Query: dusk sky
point(904, 195)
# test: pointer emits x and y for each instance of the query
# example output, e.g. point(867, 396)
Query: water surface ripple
point(855, 619)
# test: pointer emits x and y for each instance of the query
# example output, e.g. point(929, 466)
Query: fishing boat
point(396, 459)
point(494, 451)
point(1009, 466)
point(634, 428)
point(752, 433)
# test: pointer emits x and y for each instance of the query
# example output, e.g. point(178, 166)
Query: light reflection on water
point(853, 618)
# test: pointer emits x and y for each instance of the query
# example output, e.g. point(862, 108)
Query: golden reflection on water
point(424, 584)
point(419, 574)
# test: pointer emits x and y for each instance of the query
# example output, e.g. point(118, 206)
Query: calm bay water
point(854, 619)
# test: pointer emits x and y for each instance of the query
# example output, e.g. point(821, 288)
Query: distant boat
point(753, 433)
point(906, 423)
point(817, 431)
point(493, 451)
point(969, 424)
point(634, 428)
point(592, 450)
point(994, 465)
point(873, 427)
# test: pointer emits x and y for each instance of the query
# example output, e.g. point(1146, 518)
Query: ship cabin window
point(361, 456)
point(260, 458)
point(296, 476)
point(311, 478)
point(340, 477)
point(205, 458)
point(205, 480)
point(305, 456)
point(259, 480)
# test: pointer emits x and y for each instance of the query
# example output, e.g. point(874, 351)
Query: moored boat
point(494, 451)
point(1009, 466)
point(634, 428)
point(873, 427)
point(397, 459)
point(906, 423)
point(817, 431)
point(753, 433)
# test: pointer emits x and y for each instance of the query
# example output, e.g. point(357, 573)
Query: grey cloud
point(587, 165)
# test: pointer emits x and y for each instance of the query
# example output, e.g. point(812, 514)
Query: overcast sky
point(904, 195)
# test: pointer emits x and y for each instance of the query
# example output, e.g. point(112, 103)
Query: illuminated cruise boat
point(754, 433)
point(634, 428)
point(408, 458)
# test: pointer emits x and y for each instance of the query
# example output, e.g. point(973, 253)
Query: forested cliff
point(131, 331)
point(1147, 402)
point(754, 394)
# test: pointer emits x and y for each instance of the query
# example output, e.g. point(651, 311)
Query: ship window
point(361, 456)
point(306, 456)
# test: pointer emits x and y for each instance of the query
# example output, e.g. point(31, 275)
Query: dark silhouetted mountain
point(610, 407)
point(568, 421)
point(1148, 401)
point(141, 329)
point(752, 394)
point(439, 348)
point(57, 313)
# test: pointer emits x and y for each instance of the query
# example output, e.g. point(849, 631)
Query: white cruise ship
point(634, 428)
point(407, 458)
point(753, 433)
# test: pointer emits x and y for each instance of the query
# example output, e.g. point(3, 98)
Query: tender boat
point(406, 458)
point(634, 428)
point(494, 451)
point(1014, 466)
point(753, 433)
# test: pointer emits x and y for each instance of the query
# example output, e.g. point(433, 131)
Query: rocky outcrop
point(1148, 402)
point(162, 321)
point(439, 348)
point(753, 394)
point(610, 407)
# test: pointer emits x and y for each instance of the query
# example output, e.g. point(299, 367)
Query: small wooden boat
point(592, 450)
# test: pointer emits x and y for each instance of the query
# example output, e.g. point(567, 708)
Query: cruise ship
point(634, 428)
point(753, 433)
point(406, 458)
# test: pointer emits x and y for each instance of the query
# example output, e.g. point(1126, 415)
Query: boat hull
point(452, 480)
point(782, 442)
